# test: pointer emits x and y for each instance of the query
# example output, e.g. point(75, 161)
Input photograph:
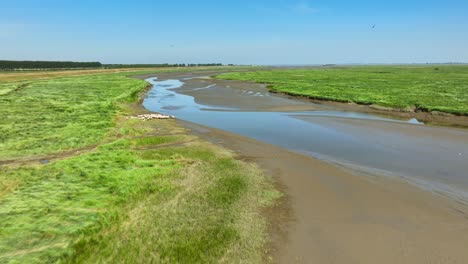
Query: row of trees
point(206, 64)
point(36, 65)
point(16, 65)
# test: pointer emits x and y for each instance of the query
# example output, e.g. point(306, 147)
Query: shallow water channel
point(435, 158)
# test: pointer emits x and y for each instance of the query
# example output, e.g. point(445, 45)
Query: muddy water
point(435, 158)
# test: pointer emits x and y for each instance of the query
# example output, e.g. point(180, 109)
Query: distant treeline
point(15, 65)
point(159, 65)
point(38, 65)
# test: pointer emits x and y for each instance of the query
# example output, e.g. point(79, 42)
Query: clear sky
point(240, 31)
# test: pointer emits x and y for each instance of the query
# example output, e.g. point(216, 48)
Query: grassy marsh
point(135, 191)
point(428, 88)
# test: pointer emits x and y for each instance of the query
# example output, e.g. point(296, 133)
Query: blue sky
point(241, 31)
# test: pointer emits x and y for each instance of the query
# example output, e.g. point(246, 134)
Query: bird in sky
point(373, 26)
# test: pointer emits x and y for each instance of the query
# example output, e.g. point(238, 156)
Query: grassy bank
point(428, 88)
point(84, 184)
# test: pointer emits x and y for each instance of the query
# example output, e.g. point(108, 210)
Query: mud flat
point(339, 206)
point(333, 215)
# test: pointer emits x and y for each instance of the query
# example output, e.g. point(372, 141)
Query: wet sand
point(332, 215)
point(241, 96)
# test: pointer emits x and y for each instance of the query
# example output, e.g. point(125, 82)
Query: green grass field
point(45, 116)
point(428, 88)
point(117, 189)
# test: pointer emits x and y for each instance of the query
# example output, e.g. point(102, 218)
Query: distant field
point(81, 183)
point(12, 76)
point(428, 88)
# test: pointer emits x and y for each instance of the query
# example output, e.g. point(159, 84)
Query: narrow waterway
point(435, 158)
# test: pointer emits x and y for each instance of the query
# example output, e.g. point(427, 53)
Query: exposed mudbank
point(331, 215)
point(363, 142)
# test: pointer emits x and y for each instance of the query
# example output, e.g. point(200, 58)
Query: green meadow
point(81, 183)
point(441, 88)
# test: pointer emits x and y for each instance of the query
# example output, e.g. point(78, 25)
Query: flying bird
point(373, 26)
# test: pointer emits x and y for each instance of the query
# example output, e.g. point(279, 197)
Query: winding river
point(435, 158)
